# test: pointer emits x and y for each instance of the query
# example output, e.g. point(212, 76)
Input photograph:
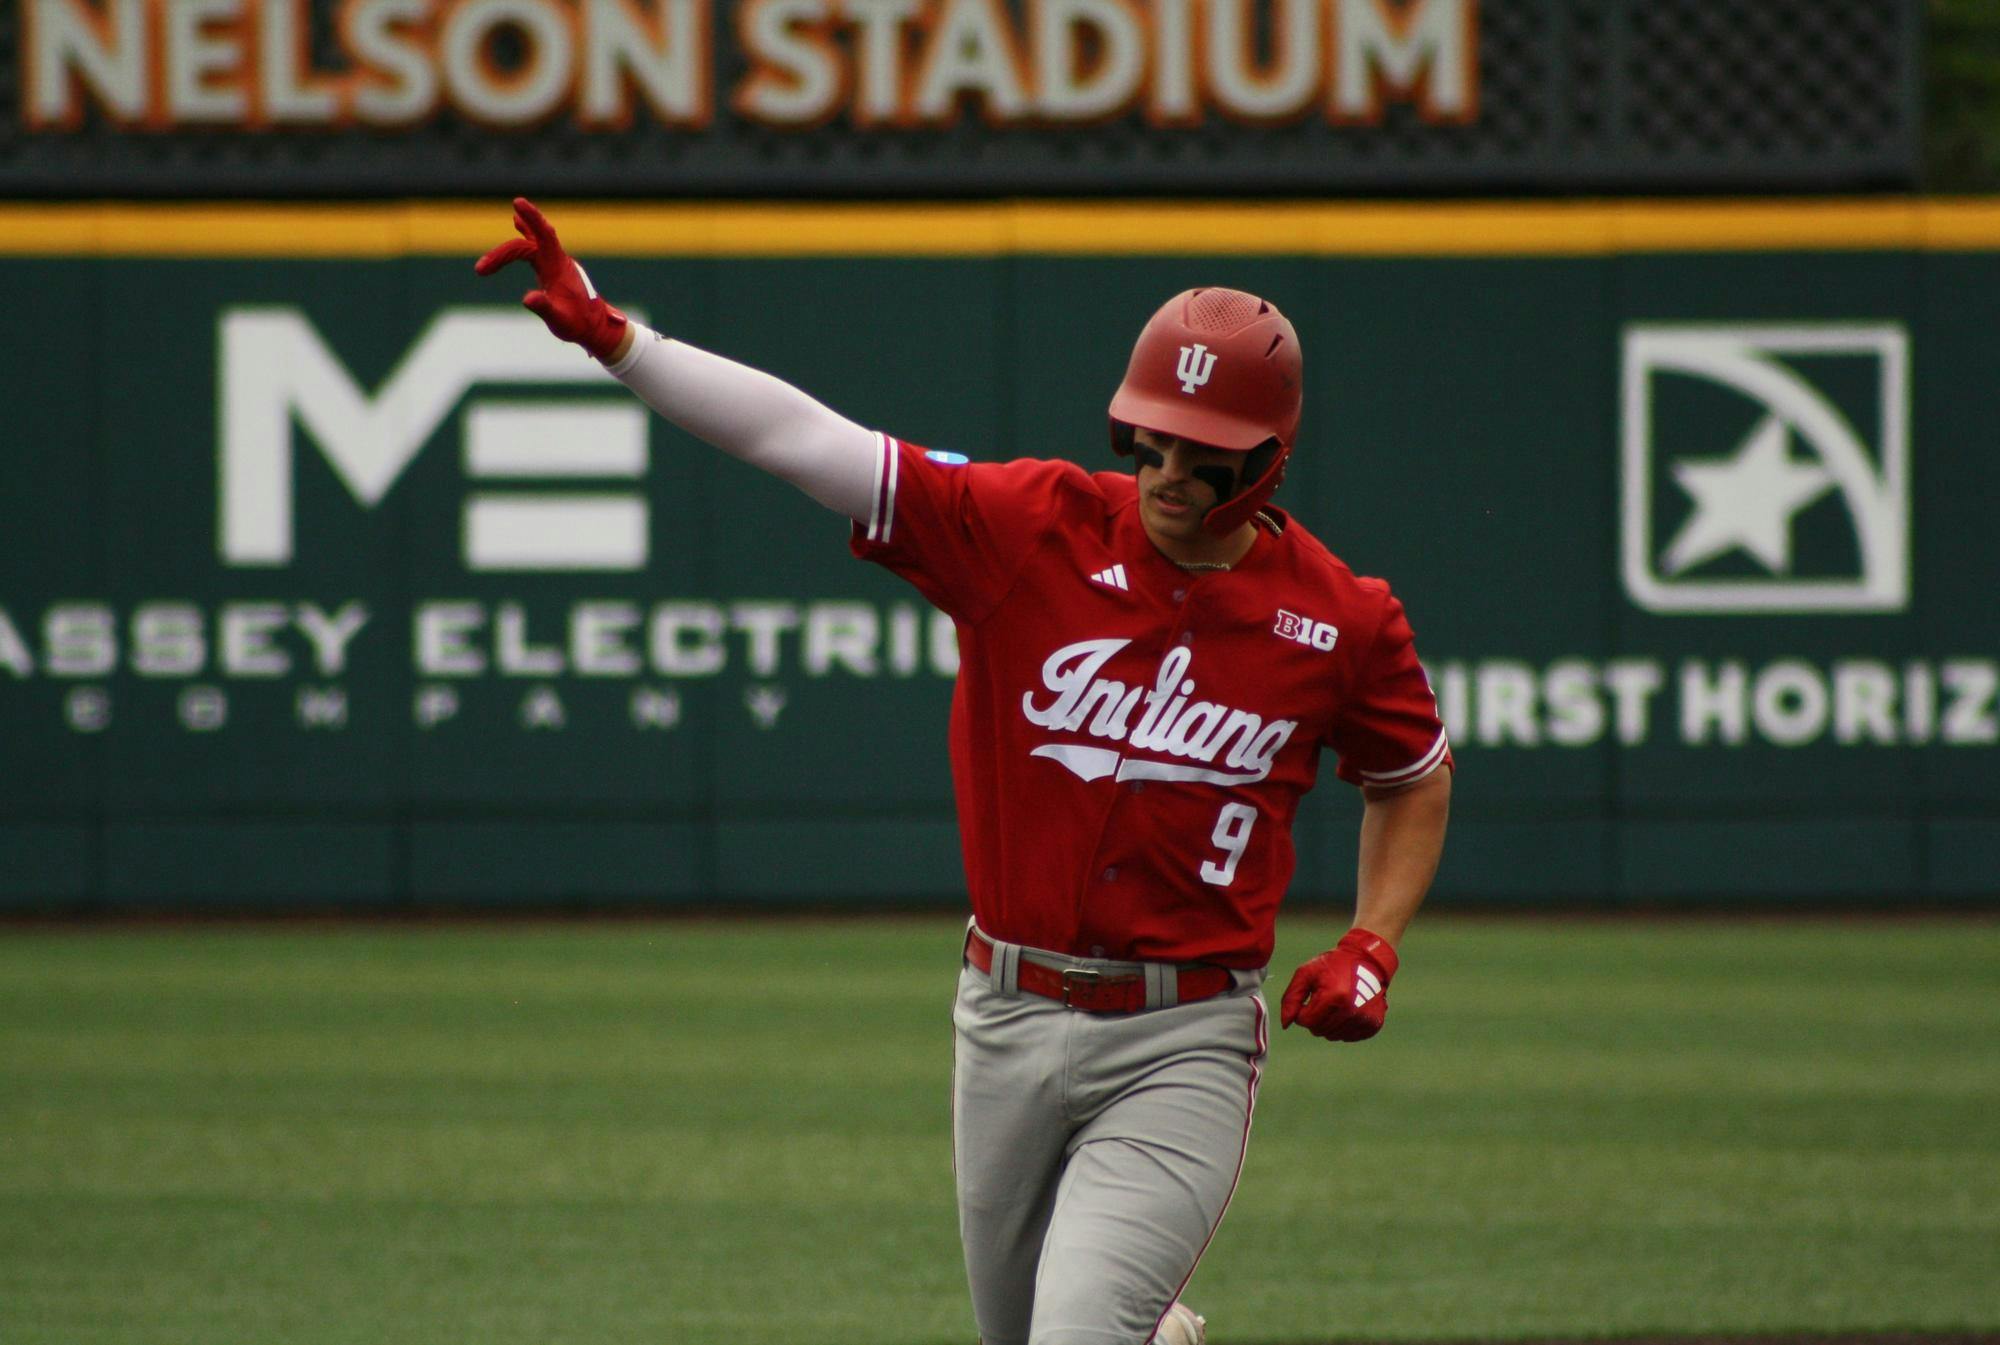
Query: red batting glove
point(1343, 994)
point(566, 301)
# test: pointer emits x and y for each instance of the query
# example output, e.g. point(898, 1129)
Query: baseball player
point(1152, 661)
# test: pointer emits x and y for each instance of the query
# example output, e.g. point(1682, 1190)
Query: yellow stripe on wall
point(1060, 228)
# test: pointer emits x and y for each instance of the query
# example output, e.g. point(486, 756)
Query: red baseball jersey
point(1130, 740)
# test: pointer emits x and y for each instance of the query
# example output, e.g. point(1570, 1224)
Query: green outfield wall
point(327, 579)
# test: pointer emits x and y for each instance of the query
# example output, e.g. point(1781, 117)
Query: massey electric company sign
point(554, 487)
point(246, 64)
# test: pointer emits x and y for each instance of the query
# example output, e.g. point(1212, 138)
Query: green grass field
point(738, 1132)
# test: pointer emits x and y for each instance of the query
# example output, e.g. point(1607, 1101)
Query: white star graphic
point(1746, 500)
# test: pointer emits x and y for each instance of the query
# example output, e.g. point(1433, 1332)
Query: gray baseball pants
point(1095, 1154)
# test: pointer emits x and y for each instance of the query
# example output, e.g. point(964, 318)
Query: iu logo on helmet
point(1197, 362)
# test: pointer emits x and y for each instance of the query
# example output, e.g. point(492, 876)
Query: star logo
point(1733, 522)
point(1746, 500)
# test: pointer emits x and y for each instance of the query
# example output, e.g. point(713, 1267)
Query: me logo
point(1766, 468)
point(276, 372)
point(1197, 362)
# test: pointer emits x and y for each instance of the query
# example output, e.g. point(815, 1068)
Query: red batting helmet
point(1217, 367)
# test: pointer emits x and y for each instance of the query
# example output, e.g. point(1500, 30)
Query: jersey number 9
point(1232, 837)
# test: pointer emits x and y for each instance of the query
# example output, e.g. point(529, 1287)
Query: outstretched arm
point(742, 411)
point(748, 414)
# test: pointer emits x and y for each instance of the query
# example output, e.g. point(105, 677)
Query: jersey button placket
point(1175, 635)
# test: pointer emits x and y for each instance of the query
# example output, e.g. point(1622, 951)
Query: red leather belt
point(1095, 991)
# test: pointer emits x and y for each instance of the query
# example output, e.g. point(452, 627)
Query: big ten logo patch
point(1766, 468)
point(1306, 631)
point(560, 476)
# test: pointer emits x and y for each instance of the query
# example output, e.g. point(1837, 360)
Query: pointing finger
point(531, 222)
point(509, 252)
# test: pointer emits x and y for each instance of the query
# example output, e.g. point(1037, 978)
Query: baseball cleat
point(1182, 1326)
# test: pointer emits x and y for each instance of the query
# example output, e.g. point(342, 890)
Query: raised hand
point(565, 299)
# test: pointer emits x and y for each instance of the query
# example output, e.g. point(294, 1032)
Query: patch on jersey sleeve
point(948, 459)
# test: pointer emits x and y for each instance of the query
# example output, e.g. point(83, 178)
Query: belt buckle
point(1091, 977)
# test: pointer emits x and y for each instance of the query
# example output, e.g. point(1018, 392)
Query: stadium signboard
point(690, 97)
point(340, 568)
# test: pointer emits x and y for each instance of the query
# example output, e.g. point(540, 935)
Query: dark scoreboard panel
point(698, 98)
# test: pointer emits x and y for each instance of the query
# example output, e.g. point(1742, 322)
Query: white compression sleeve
point(748, 414)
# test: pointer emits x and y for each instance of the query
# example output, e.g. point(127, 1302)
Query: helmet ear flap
point(1230, 482)
point(1258, 461)
point(1263, 469)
